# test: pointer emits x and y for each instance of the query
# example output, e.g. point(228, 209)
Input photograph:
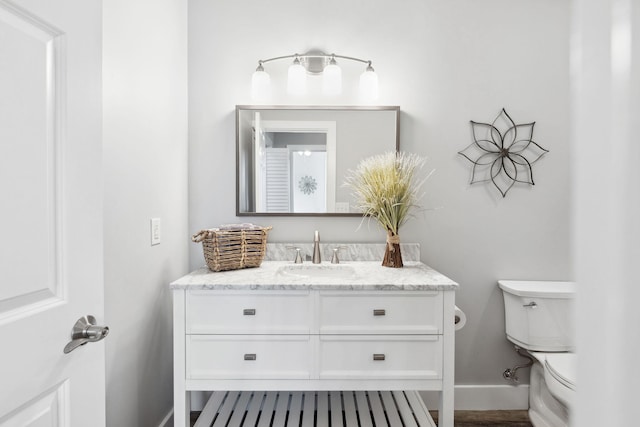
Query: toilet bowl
point(560, 376)
point(539, 319)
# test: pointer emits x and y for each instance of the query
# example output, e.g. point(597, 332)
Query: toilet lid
point(562, 366)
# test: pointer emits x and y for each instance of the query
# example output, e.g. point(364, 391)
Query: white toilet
point(539, 317)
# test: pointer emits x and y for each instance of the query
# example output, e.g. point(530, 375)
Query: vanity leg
point(182, 409)
point(181, 397)
point(445, 409)
point(446, 406)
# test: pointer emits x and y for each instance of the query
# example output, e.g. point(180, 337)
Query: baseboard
point(483, 397)
point(167, 421)
point(199, 399)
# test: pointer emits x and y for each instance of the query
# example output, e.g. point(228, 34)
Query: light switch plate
point(155, 231)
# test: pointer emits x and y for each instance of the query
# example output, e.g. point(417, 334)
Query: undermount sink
point(317, 270)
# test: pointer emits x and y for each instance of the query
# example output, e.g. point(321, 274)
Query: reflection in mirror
point(293, 160)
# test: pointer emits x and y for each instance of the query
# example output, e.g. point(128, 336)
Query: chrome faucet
point(316, 248)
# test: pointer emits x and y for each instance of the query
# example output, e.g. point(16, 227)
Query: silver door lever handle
point(85, 330)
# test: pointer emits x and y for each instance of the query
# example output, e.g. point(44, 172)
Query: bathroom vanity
point(351, 327)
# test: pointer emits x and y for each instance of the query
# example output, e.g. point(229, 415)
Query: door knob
point(85, 330)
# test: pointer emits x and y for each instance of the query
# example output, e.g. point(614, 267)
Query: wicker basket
point(232, 249)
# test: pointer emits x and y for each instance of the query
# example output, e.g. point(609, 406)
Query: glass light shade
point(332, 80)
point(369, 85)
point(296, 79)
point(260, 85)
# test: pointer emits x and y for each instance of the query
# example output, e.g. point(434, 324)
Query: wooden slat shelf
point(315, 409)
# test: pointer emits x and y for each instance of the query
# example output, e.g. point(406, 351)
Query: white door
point(51, 213)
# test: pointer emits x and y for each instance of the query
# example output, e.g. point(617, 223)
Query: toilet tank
point(539, 316)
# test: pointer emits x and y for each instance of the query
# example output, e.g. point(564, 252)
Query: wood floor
point(470, 418)
point(489, 418)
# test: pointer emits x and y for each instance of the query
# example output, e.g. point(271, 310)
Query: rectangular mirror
point(292, 160)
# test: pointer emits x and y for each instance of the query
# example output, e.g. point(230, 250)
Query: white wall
point(444, 63)
point(145, 160)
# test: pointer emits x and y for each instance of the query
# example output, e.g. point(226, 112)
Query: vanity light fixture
point(332, 78)
point(260, 84)
point(314, 63)
point(296, 78)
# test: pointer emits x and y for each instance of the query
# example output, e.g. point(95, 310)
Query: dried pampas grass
point(386, 188)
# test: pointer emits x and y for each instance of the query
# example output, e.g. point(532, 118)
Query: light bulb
point(296, 78)
point(332, 79)
point(260, 84)
point(369, 84)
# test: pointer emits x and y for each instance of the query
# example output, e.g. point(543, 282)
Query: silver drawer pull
point(249, 311)
point(379, 312)
point(250, 356)
point(377, 356)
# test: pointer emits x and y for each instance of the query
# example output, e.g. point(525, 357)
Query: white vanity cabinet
point(253, 330)
point(247, 335)
point(379, 335)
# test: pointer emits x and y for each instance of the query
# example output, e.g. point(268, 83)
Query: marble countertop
point(351, 275)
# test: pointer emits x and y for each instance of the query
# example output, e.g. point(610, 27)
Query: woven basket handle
point(202, 235)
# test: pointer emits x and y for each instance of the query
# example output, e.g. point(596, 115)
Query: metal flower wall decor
point(504, 151)
point(307, 184)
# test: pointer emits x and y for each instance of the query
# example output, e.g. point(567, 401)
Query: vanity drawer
point(248, 357)
point(380, 357)
point(250, 312)
point(384, 312)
